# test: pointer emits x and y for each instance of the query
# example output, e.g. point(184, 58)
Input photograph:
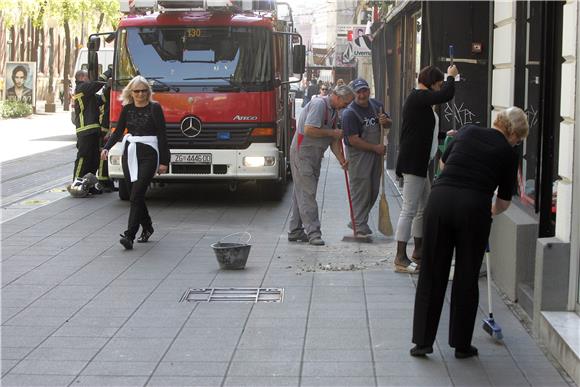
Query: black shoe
point(465, 353)
point(316, 241)
point(96, 190)
point(107, 188)
point(363, 231)
point(126, 242)
point(145, 234)
point(298, 237)
point(421, 350)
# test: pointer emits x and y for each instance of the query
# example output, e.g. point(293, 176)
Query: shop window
point(530, 61)
point(529, 88)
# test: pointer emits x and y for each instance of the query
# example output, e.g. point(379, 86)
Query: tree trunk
point(42, 44)
point(22, 44)
point(100, 23)
point(3, 43)
point(50, 106)
point(35, 41)
point(29, 40)
point(37, 35)
point(66, 81)
point(13, 44)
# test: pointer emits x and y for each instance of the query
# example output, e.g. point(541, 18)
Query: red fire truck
point(220, 69)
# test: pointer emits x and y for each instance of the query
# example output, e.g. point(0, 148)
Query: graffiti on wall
point(461, 114)
point(532, 116)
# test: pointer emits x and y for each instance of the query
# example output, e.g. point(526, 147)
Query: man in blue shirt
point(361, 122)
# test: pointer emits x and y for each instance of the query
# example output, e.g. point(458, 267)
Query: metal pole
point(451, 55)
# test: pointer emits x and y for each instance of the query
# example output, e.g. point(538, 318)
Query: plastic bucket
point(232, 256)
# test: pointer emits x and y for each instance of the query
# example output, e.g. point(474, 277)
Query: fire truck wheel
point(124, 193)
point(271, 190)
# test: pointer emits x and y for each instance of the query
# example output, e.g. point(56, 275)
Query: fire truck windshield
point(207, 56)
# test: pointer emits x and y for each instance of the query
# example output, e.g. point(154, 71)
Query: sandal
point(145, 234)
point(411, 268)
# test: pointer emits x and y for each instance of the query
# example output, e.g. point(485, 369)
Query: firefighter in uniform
point(104, 111)
point(87, 128)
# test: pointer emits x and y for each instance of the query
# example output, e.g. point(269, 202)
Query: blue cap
point(359, 84)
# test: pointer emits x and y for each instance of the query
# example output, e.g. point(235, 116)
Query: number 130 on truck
point(221, 70)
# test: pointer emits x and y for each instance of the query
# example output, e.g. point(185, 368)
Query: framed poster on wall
point(20, 81)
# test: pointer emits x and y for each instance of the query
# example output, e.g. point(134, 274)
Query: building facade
point(519, 53)
point(323, 29)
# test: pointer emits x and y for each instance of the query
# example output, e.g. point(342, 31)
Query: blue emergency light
point(224, 136)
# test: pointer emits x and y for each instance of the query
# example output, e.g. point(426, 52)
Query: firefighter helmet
point(92, 183)
point(90, 180)
point(78, 189)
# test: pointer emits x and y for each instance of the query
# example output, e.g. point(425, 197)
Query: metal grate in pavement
point(234, 295)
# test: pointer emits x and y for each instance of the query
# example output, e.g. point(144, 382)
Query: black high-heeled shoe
point(145, 234)
point(421, 350)
point(126, 242)
point(464, 353)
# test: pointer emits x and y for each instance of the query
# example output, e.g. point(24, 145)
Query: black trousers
point(87, 155)
point(139, 214)
point(454, 219)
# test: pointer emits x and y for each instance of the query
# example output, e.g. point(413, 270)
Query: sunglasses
point(140, 91)
point(324, 89)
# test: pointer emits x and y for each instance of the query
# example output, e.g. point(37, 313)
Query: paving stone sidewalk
point(77, 310)
point(36, 133)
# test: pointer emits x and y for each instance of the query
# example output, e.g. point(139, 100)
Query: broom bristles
point(492, 329)
point(385, 226)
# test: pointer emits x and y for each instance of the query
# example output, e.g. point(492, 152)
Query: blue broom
point(489, 324)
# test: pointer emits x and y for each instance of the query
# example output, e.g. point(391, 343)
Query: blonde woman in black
point(458, 218)
point(145, 153)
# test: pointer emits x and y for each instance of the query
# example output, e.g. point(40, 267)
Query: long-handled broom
point(489, 324)
point(385, 226)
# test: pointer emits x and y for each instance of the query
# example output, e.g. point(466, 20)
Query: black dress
point(458, 217)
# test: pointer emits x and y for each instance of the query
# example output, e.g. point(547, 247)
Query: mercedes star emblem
point(190, 126)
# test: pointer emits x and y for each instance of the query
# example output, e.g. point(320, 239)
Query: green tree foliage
point(17, 12)
point(76, 18)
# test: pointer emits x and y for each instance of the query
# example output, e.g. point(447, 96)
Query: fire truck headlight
point(115, 160)
point(259, 161)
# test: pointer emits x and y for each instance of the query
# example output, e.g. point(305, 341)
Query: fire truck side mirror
point(298, 59)
point(93, 66)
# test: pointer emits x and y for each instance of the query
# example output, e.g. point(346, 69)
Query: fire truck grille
point(189, 169)
point(209, 137)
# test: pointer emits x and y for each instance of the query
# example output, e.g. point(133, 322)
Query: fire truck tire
point(124, 193)
point(272, 190)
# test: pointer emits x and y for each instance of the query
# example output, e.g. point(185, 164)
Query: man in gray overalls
point(361, 123)
point(316, 131)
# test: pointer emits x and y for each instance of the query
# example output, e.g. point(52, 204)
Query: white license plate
point(191, 158)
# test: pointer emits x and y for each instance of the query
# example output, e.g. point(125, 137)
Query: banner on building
point(351, 43)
